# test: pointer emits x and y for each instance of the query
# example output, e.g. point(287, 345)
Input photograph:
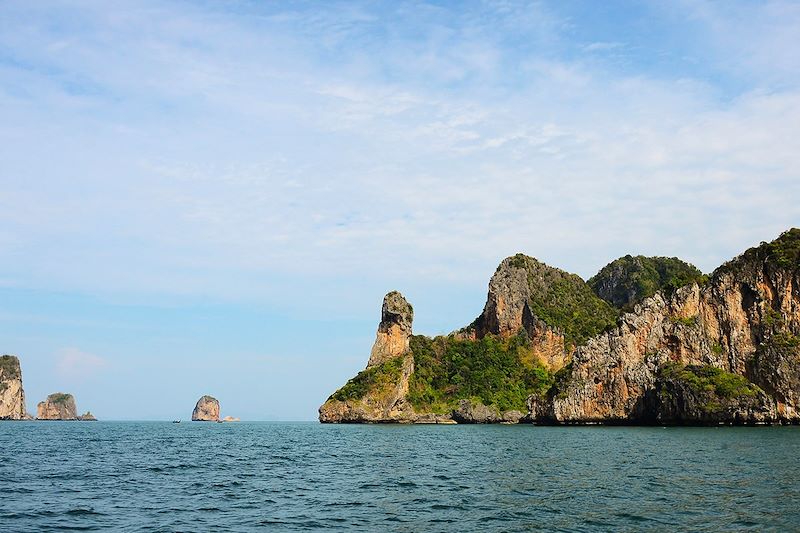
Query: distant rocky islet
point(57, 406)
point(207, 409)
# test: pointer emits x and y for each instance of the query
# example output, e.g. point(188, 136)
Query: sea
point(305, 476)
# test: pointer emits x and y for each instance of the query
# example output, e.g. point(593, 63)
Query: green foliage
point(784, 343)
point(564, 301)
point(9, 367)
point(772, 318)
point(717, 349)
point(371, 379)
point(630, 279)
point(59, 398)
point(495, 371)
point(684, 320)
point(561, 381)
point(707, 378)
point(783, 252)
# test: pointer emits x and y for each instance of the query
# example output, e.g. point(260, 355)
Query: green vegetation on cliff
point(631, 279)
point(783, 252)
point(705, 378)
point(499, 372)
point(9, 369)
point(370, 380)
point(564, 301)
point(59, 398)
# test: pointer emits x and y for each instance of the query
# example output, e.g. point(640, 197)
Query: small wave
point(81, 511)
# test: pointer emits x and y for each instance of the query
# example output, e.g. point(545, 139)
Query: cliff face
point(394, 329)
point(723, 349)
point(57, 406)
point(206, 410)
point(12, 396)
point(555, 309)
point(744, 323)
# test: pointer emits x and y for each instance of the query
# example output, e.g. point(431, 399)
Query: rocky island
point(57, 406)
point(648, 340)
point(206, 410)
point(12, 396)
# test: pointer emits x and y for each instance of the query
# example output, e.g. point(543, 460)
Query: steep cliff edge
point(12, 395)
point(57, 406)
point(547, 349)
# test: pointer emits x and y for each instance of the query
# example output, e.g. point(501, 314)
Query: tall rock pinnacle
point(394, 330)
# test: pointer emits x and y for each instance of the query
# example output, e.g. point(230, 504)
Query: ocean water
point(156, 476)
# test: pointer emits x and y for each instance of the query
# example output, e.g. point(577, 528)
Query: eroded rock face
point(677, 401)
point(471, 412)
point(206, 410)
point(526, 295)
point(12, 395)
point(727, 324)
point(394, 330)
point(87, 417)
point(508, 310)
point(57, 406)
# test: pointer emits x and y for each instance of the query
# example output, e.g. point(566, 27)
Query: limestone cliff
point(555, 309)
point(206, 409)
point(57, 406)
point(546, 349)
point(12, 396)
point(394, 329)
point(377, 394)
point(740, 328)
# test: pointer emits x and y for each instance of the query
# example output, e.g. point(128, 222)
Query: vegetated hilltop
point(630, 279)
point(654, 342)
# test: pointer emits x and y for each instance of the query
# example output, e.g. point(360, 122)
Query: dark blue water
point(304, 476)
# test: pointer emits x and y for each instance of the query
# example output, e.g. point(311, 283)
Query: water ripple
point(309, 477)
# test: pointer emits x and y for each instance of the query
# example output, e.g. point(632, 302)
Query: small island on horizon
point(647, 340)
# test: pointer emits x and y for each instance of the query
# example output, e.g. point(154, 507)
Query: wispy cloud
point(186, 148)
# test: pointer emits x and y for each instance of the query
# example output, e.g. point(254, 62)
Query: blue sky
point(213, 197)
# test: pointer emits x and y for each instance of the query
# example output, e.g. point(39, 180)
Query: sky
point(213, 197)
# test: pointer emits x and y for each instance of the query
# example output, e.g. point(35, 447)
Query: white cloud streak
point(167, 148)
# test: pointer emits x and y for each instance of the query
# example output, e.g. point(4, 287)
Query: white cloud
point(169, 149)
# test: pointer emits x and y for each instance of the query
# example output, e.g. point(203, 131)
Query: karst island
point(647, 340)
